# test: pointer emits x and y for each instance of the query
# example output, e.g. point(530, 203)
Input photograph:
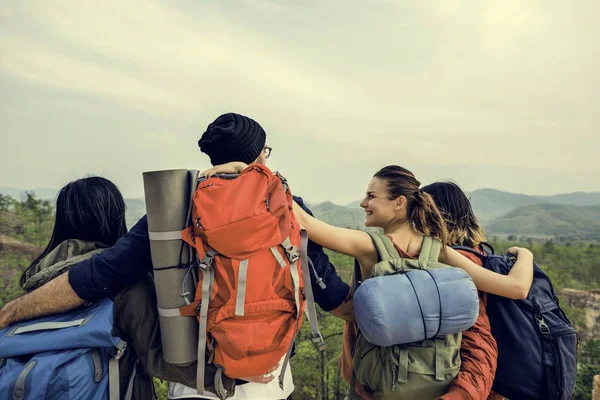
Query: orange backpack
point(254, 284)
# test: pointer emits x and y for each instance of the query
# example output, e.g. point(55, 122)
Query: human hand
point(266, 378)
point(514, 251)
point(234, 167)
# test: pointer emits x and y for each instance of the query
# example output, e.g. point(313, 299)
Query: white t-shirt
point(247, 391)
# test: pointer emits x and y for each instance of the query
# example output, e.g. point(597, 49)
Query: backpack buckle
point(542, 325)
point(206, 262)
point(319, 341)
point(293, 254)
point(120, 350)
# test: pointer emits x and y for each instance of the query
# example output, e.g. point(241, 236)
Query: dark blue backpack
point(537, 346)
point(65, 356)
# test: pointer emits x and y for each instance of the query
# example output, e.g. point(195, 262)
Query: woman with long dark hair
point(90, 216)
point(479, 351)
point(90, 210)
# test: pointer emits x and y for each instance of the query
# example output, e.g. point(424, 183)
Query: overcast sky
point(502, 94)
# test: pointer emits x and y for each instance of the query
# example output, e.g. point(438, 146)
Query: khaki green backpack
point(421, 370)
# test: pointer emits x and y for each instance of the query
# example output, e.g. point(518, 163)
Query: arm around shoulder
point(54, 297)
point(515, 285)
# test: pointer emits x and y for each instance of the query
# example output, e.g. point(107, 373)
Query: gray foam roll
point(167, 196)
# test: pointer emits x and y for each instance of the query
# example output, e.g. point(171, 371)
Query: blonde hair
point(463, 226)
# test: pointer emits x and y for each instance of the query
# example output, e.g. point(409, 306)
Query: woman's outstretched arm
point(354, 243)
point(515, 285)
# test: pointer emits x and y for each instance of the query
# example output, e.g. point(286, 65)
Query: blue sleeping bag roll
point(415, 305)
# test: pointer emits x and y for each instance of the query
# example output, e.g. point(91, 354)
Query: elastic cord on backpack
point(420, 308)
point(318, 279)
point(180, 264)
point(439, 300)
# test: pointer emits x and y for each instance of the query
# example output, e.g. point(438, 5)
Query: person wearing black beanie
point(233, 137)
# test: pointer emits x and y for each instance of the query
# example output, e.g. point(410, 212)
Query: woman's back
point(90, 217)
point(479, 351)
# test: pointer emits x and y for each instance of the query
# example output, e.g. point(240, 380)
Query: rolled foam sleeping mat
point(167, 196)
point(395, 309)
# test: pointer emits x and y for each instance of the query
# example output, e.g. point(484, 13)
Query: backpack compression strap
point(207, 280)
point(310, 309)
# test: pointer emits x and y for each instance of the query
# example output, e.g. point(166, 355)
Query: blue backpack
point(65, 356)
point(537, 345)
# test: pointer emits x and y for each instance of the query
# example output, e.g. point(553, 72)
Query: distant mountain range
point(489, 204)
point(571, 215)
point(557, 220)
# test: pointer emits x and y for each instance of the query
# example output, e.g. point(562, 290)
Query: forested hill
point(491, 203)
point(558, 220)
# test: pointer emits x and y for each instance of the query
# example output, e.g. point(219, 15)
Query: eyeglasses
point(268, 151)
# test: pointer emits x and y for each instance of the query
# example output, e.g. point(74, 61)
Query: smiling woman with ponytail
point(422, 212)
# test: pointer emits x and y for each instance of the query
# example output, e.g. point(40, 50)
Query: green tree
point(589, 365)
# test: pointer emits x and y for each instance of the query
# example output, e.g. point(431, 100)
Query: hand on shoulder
point(515, 251)
point(234, 167)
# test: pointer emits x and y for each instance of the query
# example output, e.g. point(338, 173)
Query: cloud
point(343, 85)
point(150, 55)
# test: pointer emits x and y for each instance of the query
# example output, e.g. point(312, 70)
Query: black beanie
point(232, 137)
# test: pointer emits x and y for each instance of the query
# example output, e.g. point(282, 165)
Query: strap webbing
point(19, 389)
point(165, 236)
point(193, 181)
point(113, 379)
point(424, 253)
point(316, 336)
point(430, 251)
point(97, 361)
point(241, 288)
point(113, 372)
point(296, 283)
point(279, 257)
point(44, 326)
point(403, 364)
point(384, 246)
point(440, 368)
point(168, 312)
point(220, 389)
point(207, 277)
point(286, 361)
point(129, 392)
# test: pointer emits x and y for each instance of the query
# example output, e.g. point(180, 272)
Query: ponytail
point(427, 218)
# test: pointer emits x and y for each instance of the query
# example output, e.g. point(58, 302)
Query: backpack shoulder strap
point(487, 248)
point(469, 250)
point(385, 247)
point(430, 251)
point(114, 389)
point(385, 250)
